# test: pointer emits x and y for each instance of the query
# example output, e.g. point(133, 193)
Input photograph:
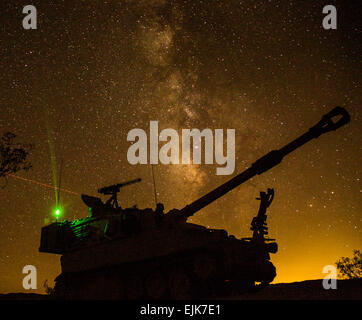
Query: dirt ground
point(305, 290)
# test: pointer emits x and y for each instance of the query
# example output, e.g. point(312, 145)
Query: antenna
point(154, 185)
point(60, 177)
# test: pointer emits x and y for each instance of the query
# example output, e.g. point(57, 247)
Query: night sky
point(93, 70)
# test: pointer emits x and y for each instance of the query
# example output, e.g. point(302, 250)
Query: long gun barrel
point(270, 160)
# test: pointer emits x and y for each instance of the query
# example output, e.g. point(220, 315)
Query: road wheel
point(115, 287)
point(179, 284)
point(61, 291)
point(134, 287)
point(155, 285)
point(268, 272)
point(93, 288)
point(204, 267)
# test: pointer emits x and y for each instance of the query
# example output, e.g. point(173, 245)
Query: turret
point(331, 121)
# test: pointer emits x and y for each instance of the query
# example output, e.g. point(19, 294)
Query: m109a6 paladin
point(131, 253)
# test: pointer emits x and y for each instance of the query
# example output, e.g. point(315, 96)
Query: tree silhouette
point(350, 268)
point(13, 155)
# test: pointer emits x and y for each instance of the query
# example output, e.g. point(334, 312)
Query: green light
point(57, 212)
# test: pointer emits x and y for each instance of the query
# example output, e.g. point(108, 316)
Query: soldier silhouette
point(258, 224)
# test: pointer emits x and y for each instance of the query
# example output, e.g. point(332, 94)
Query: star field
point(93, 71)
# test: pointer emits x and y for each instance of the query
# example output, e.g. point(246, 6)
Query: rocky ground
point(305, 290)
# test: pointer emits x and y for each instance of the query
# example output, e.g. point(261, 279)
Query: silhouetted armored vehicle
point(132, 253)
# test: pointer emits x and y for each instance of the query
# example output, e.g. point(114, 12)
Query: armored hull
point(160, 259)
point(185, 262)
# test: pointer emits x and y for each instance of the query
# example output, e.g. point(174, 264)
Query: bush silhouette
point(350, 268)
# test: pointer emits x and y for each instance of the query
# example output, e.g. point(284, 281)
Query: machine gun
point(113, 190)
point(331, 121)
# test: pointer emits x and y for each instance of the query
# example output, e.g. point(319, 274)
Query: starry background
point(92, 71)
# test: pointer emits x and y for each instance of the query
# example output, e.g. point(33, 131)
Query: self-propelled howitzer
point(143, 253)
